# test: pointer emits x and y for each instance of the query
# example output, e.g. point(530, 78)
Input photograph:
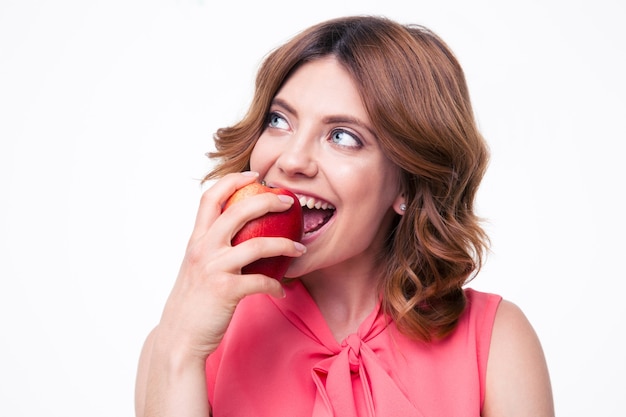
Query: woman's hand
point(206, 292)
point(210, 284)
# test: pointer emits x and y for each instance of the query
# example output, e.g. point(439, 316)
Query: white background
point(107, 109)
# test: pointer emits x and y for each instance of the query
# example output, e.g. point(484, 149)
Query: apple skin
point(287, 224)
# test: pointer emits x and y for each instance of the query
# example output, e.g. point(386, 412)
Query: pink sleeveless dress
point(279, 358)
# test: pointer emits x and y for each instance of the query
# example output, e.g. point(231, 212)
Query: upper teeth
point(311, 203)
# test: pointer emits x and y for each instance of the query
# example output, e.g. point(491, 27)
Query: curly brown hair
point(415, 93)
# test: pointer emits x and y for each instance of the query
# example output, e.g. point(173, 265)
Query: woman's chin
point(297, 268)
point(292, 273)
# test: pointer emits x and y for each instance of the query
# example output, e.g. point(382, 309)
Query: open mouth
point(316, 213)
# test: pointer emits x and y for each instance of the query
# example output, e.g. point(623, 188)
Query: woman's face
point(318, 142)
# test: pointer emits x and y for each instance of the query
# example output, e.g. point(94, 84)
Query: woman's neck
point(345, 299)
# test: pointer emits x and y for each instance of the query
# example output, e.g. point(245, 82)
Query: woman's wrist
point(178, 354)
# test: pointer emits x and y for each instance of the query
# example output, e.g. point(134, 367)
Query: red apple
point(287, 224)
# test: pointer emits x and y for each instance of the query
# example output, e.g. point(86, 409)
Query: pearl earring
point(402, 207)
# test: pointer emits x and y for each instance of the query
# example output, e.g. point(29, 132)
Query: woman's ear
point(399, 204)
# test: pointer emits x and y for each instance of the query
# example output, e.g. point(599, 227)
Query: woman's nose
point(298, 157)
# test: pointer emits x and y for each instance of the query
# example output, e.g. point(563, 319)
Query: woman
point(372, 120)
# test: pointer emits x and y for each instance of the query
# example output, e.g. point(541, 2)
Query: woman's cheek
point(259, 159)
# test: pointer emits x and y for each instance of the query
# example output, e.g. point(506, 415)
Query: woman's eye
point(275, 120)
point(345, 139)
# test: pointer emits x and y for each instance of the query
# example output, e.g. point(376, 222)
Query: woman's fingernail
point(250, 173)
point(300, 247)
point(285, 198)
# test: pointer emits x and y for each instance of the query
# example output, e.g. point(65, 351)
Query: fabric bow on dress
point(351, 381)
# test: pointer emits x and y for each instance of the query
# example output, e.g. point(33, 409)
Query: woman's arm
point(171, 379)
point(518, 383)
point(166, 386)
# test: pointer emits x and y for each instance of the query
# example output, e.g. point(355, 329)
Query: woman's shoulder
point(481, 309)
point(518, 382)
point(481, 299)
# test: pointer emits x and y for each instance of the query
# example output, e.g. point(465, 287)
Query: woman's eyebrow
point(345, 119)
point(282, 103)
